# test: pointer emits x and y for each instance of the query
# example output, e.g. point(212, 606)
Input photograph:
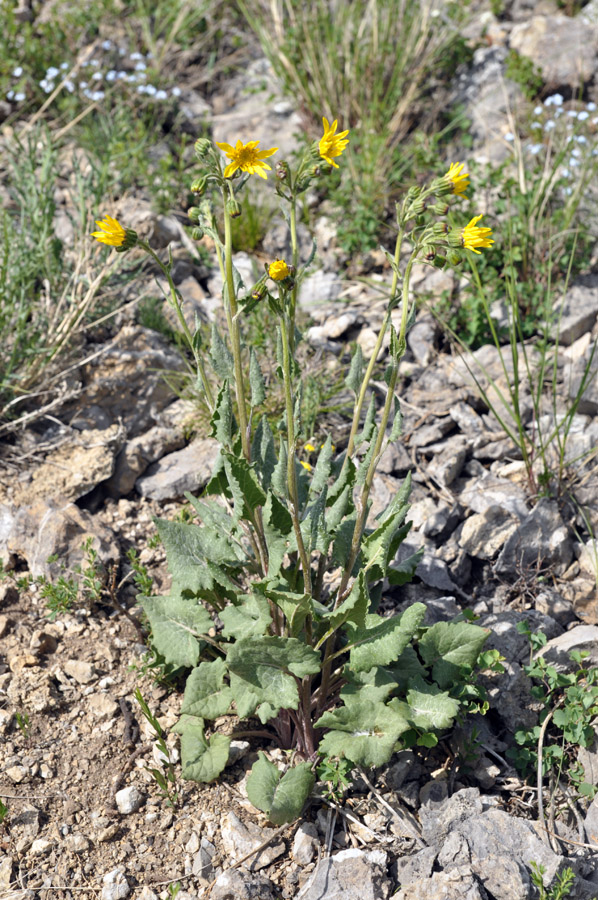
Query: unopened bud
point(454, 258)
point(282, 170)
point(130, 239)
point(258, 292)
point(199, 185)
point(429, 252)
point(197, 233)
point(316, 171)
point(233, 208)
point(439, 262)
point(202, 148)
point(194, 213)
point(441, 209)
point(440, 228)
point(413, 192)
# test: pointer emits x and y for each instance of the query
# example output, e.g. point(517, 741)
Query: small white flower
point(573, 162)
point(581, 139)
point(111, 75)
point(535, 148)
point(17, 72)
point(132, 78)
point(565, 173)
point(591, 106)
point(135, 56)
point(140, 66)
point(536, 124)
point(83, 85)
point(107, 45)
point(176, 92)
point(150, 90)
point(19, 97)
point(64, 66)
point(509, 136)
point(538, 110)
point(583, 115)
point(97, 76)
point(576, 152)
point(568, 191)
point(554, 100)
point(572, 113)
point(548, 125)
point(10, 95)
point(52, 72)
point(97, 95)
point(161, 95)
point(68, 84)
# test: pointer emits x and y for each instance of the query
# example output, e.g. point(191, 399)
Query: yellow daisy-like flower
point(332, 144)
point(309, 447)
point(278, 270)
point(112, 232)
point(246, 158)
point(458, 178)
point(473, 236)
point(306, 465)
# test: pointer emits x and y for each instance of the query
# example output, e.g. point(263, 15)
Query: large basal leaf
point(430, 707)
point(177, 625)
point(202, 758)
point(265, 700)
point(206, 694)
point(447, 646)
point(195, 556)
point(282, 799)
point(383, 640)
point(364, 732)
point(374, 686)
point(251, 617)
point(401, 573)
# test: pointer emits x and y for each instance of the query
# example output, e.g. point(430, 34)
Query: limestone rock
point(184, 470)
point(139, 453)
point(565, 48)
point(351, 875)
point(541, 538)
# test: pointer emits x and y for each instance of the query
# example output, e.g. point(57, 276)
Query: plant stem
point(285, 324)
point(230, 307)
point(368, 372)
point(176, 303)
point(295, 261)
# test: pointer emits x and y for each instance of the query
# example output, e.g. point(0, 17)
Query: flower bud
point(258, 292)
point(417, 208)
point(203, 148)
point(441, 209)
point(439, 262)
point(413, 192)
point(282, 170)
point(197, 233)
point(199, 185)
point(233, 208)
point(454, 258)
point(429, 252)
point(129, 240)
point(440, 228)
point(194, 213)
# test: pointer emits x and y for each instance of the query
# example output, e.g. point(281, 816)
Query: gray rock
point(466, 418)
point(53, 529)
point(139, 453)
point(565, 48)
point(542, 538)
point(484, 534)
point(245, 266)
point(394, 461)
point(482, 494)
point(115, 885)
point(239, 884)
point(77, 843)
point(583, 373)
point(410, 869)
point(305, 843)
point(129, 800)
point(446, 467)
point(499, 848)
point(6, 871)
point(350, 875)
point(579, 311)
point(439, 815)
point(510, 695)
point(504, 635)
point(126, 380)
point(581, 638)
point(202, 861)
point(185, 470)
point(239, 840)
point(591, 820)
point(83, 672)
point(319, 288)
point(430, 434)
point(421, 339)
point(459, 884)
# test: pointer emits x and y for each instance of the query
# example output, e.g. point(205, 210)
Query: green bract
point(274, 597)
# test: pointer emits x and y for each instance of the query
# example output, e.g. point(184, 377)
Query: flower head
point(332, 144)
point(306, 465)
point(278, 270)
point(246, 158)
point(473, 236)
point(457, 178)
point(113, 234)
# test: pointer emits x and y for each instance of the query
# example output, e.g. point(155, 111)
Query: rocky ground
point(85, 816)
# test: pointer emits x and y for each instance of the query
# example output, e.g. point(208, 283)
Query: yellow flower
point(332, 144)
point(457, 178)
point(309, 447)
point(112, 232)
point(247, 158)
point(473, 236)
point(306, 465)
point(278, 270)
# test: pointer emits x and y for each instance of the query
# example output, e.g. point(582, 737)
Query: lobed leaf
point(177, 626)
point(206, 695)
point(281, 798)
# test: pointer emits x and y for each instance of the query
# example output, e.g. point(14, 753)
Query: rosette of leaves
point(326, 676)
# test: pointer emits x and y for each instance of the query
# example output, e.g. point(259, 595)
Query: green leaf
point(401, 573)
point(278, 531)
point(447, 646)
point(336, 512)
point(279, 476)
point(321, 473)
point(263, 451)
point(177, 625)
point(259, 668)
point(256, 380)
point(220, 356)
point(251, 617)
point(353, 609)
point(364, 463)
point(202, 759)
point(345, 479)
point(373, 686)
point(196, 556)
point(222, 417)
point(245, 488)
point(313, 526)
point(341, 549)
point(364, 732)
point(296, 607)
point(368, 424)
point(282, 799)
point(355, 375)
point(380, 547)
point(397, 423)
point(206, 695)
point(430, 707)
point(383, 640)
point(398, 501)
